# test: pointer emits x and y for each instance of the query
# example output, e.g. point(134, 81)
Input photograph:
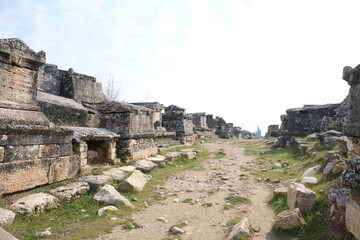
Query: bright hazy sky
point(244, 60)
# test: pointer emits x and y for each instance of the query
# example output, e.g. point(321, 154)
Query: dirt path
point(211, 183)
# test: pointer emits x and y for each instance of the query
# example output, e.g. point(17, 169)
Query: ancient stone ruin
point(32, 151)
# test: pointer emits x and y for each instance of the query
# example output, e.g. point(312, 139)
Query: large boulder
point(241, 229)
point(6, 217)
point(289, 219)
point(109, 195)
point(145, 165)
point(35, 203)
point(115, 173)
point(307, 181)
point(135, 182)
point(300, 197)
point(96, 181)
point(71, 191)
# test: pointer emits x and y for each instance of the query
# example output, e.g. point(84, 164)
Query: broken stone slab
point(289, 219)
point(188, 155)
point(135, 182)
point(115, 173)
point(312, 171)
point(145, 165)
point(299, 196)
point(176, 230)
point(172, 156)
point(241, 229)
point(108, 195)
point(35, 203)
point(102, 211)
point(352, 214)
point(127, 168)
point(4, 235)
point(71, 191)
point(159, 160)
point(307, 181)
point(6, 217)
point(339, 196)
point(96, 181)
point(331, 142)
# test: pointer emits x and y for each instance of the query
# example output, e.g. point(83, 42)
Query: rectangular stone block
point(22, 175)
point(65, 149)
point(49, 151)
point(352, 217)
point(20, 153)
point(63, 168)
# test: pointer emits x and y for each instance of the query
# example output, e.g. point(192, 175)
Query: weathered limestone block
point(135, 182)
point(6, 236)
point(96, 181)
point(2, 153)
point(49, 151)
point(273, 131)
point(109, 195)
point(308, 181)
point(6, 217)
point(188, 155)
point(280, 191)
point(300, 197)
point(145, 165)
point(135, 149)
point(159, 160)
point(71, 191)
point(176, 120)
point(172, 156)
point(19, 153)
point(35, 203)
point(157, 108)
point(127, 168)
point(289, 219)
point(115, 173)
point(61, 110)
point(352, 217)
point(351, 176)
point(63, 168)
point(241, 229)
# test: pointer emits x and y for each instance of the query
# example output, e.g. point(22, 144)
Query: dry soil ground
point(205, 190)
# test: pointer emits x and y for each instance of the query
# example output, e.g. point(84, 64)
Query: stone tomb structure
point(134, 124)
point(69, 98)
point(201, 128)
point(32, 152)
point(176, 120)
point(273, 131)
point(157, 112)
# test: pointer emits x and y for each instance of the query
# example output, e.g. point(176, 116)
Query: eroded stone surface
point(6, 217)
point(115, 173)
point(145, 165)
point(35, 203)
point(300, 197)
point(109, 195)
point(96, 181)
point(352, 217)
point(71, 191)
point(159, 160)
point(102, 211)
point(135, 182)
point(240, 229)
point(4, 235)
point(289, 219)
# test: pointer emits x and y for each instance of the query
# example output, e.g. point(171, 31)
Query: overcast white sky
point(245, 60)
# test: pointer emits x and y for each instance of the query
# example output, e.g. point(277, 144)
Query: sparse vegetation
point(232, 201)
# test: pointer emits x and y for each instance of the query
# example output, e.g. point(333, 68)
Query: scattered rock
point(162, 219)
point(35, 203)
point(188, 155)
point(6, 217)
point(172, 156)
point(127, 168)
point(45, 233)
point(300, 197)
point(4, 235)
point(145, 165)
point(312, 171)
point(289, 219)
point(240, 229)
point(71, 191)
point(109, 195)
point(281, 190)
point(102, 211)
point(115, 173)
point(277, 165)
point(309, 181)
point(285, 164)
point(176, 230)
point(135, 182)
point(159, 160)
point(96, 181)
